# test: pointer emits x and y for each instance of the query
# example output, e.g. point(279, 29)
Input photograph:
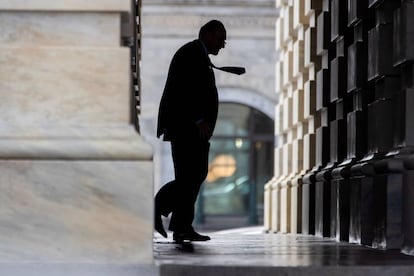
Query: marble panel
point(305, 208)
point(372, 3)
point(44, 148)
point(297, 155)
point(334, 143)
point(287, 159)
point(323, 29)
point(367, 210)
point(338, 13)
point(403, 34)
point(382, 120)
point(67, 5)
point(356, 11)
point(408, 213)
point(299, 17)
point(404, 114)
point(279, 119)
point(287, 113)
point(278, 161)
point(387, 87)
point(308, 202)
point(338, 140)
point(384, 11)
point(322, 208)
point(64, 86)
point(76, 211)
point(309, 99)
point(285, 205)
point(322, 146)
point(310, 48)
point(298, 106)
point(296, 206)
point(338, 78)
point(334, 223)
point(387, 205)
point(379, 44)
point(309, 151)
point(279, 76)
point(298, 58)
point(267, 208)
point(275, 212)
point(356, 134)
point(361, 211)
point(355, 211)
point(279, 32)
point(326, 5)
point(288, 27)
point(312, 6)
point(60, 29)
point(340, 211)
point(322, 88)
point(287, 67)
point(344, 208)
point(357, 66)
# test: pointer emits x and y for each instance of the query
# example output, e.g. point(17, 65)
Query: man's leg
point(191, 167)
point(164, 199)
point(163, 206)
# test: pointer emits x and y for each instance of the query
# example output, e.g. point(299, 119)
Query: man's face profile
point(216, 41)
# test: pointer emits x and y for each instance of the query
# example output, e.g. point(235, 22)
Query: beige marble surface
point(75, 211)
point(66, 5)
point(60, 86)
point(76, 178)
point(60, 29)
point(133, 148)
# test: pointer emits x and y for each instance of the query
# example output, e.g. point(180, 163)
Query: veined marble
point(75, 211)
point(76, 178)
point(59, 86)
point(66, 5)
point(50, 29)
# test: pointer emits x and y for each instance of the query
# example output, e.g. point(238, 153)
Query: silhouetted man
point(187, 117)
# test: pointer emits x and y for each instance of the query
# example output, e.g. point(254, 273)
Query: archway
point(241, 162)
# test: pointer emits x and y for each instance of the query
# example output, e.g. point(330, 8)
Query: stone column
point(296, 119)
point(75, 176)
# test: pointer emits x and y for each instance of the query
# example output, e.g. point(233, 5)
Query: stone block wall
point(359, 116)
point(76, 176)
point(296, 117)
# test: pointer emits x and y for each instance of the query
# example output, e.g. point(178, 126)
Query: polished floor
point(249, 251)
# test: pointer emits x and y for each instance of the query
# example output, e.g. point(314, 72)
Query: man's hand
point(204, 130)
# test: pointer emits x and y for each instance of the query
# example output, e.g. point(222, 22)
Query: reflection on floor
point(249, 251)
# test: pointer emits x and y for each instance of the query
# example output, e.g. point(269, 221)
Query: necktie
point(230, 69)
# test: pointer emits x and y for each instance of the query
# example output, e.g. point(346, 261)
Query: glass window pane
point(232, 120)
point(226, 189)
point(262, 124)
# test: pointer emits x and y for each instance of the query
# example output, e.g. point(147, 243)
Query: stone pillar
point(75, 176)
point(296, 119)
point(403, 112)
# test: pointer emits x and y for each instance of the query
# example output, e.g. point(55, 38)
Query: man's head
point(213, 34)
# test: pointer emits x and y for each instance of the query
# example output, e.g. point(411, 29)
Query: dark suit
point(190, 96)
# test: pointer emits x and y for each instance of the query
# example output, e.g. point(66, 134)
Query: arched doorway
point(241, 162)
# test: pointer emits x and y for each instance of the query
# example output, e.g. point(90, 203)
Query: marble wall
point(358, 186)
point(296, 117)
point(76, 179)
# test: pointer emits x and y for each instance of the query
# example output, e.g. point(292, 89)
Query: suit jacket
point(190, 94)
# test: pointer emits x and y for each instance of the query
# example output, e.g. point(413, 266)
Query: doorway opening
point(241, 162)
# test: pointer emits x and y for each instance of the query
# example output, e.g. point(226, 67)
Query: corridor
point(250, 252)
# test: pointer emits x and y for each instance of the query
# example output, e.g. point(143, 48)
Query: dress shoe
point(159, 226)
point(189, 236)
